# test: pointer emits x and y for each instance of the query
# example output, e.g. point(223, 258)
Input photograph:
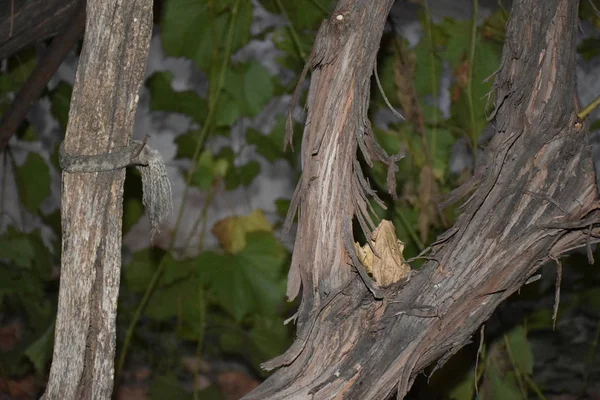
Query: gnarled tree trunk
point(533, 201)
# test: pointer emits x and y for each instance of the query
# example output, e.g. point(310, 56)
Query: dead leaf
point(22, 389)
point(131, 392)
point(390, 266)
point(10, 335)
point(236, 384)
point(461, 74)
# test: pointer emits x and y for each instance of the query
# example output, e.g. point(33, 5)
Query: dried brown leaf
point(387, 266)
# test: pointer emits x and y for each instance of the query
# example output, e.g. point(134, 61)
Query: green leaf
point(428, 70)
point(29, 134)
point(248, 88)
point(208, 170)
point(171, 301)
point(34, 182)
point(132, 212)
point(444, 141)
point(265, 145)
point(302, 14)
point(270, 336)
point(464, 389)
point(459, 40)
point(390, 140)
point(264, 251)
point(258, 88)
point(246, 282)
point(242, 176)
point(386, 67)
point(19, 69)
point(40, 351)
point(186, 144)
point(165, 98)
point(282, 206)
point(502, 388)
point(192, 29)
point(61, 102)
point(540, 319)
point(178, 293)
point(19, 250)
point(521, 350)
point(138, 274)
point(293, 54)
point(203, 177)
point(486, 61)
point(228, 109)
point(133, 209)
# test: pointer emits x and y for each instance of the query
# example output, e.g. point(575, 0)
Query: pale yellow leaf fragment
point(390, 266)
point(232, 231)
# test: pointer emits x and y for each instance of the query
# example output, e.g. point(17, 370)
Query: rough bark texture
point(535, 199)
point(105, 95)
point(332, 189)
point(23, 22)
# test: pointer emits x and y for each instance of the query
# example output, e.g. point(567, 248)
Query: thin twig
point(588, 246)
point(479, 350)
point(557, 290)
point(387, 102)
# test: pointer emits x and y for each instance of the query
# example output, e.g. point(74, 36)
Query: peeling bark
point(535, 198)
point(109, 75)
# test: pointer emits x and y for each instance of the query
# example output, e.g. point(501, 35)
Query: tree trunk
point(535, 199)
point(110, 73)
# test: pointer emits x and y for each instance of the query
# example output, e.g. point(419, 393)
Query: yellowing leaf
point(232, 231)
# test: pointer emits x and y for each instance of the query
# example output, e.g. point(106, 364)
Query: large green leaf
point(428, 68)
point(40, 351)
point(242, 176)
point(258, 88)
point(464, 389)
point(19, 69)
point(18, 249)
point(459, 40)
point(247, 89)
point(190, 28)
point(208, 170)
point(165, 98)
point(302, 14)
point(270, 336)
point(521, 350)
point(264, 252)
point(503, 388)
point(173, 300)
point(247, 282)
point(139, 272)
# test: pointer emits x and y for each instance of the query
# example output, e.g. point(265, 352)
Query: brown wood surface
point(105, 95)
point(533, 201)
